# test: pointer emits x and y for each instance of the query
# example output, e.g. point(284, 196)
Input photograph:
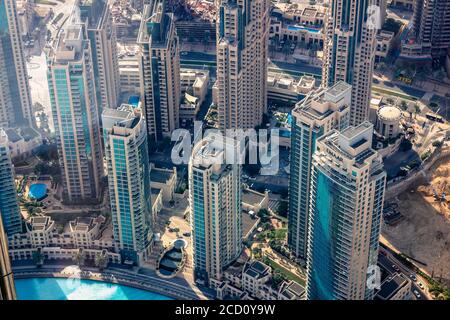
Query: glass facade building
point(75, 115)
point(15, 98)
point(126, 148)
point(7, 288)
point(317, 114)
point(9, 206)
point(346, 204)
point(215, 202)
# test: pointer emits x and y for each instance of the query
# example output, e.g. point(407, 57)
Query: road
point(189, 58)
point(388, 260)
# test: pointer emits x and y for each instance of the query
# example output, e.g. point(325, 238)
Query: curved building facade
point(347, 193)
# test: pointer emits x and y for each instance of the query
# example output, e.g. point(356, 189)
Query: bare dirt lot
point(424, 233)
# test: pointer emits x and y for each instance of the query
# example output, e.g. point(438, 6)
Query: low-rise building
point(284, 87)
point(42, 231)
point(194, 88)
point(384, 42)
point(253, 200)
point(253, 280)
point(299, 22)
point(405, 4)
point(388, 121)
point(157, 202)
point(130, 77)
point(23, 141)
point(84, 230)
point(395, 287)
point(165, 180)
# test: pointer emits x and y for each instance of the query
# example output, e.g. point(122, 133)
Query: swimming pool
point(79, 289)
point(37, 191)
point(298, 27)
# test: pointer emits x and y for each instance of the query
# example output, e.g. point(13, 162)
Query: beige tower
point(102, 34)
point(242, 46)
point(160, 70)
point(349, 52)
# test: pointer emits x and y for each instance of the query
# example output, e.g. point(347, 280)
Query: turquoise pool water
point(77, 289)
point(299, 27)
point(37, 191)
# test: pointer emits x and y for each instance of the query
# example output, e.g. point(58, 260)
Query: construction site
point(423, 232)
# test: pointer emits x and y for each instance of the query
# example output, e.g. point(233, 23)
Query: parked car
point(412, 277)
point(417, 294)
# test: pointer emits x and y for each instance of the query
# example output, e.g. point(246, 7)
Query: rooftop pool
point(300, 27)
point(79, 289)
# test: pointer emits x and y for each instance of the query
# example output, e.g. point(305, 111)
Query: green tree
point(79, 257)
point(282, 208)
point(403, 105)
point(101, 260)
point(38, 258)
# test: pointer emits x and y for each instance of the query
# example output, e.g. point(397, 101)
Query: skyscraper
point(75, 115)
point(7, 288)
point(349, 52)
point(317, 114)
point(15, 98)
point(215, 203)
point(242, 52)
point(125, 136)
point(346, 203)
point(9, 207)
point(102, 34)
point(160, 70)
point(431, 26)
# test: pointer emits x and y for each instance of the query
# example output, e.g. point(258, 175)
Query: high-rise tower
point(215, 202)
point(349, 51)
point(242, 52)
point(15, 98)
point(125, 136)
point(317, 114)
point(102, 34)
point(9, 206)
point(160, 70)
point(75, 115)
point(7, 288)
point(431, 26)
point(346, 203)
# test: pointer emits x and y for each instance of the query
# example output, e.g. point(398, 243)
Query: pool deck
point(139, 281)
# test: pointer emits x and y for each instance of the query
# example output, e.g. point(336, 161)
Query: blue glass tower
point(126, 148)
point(346, 203)
point(15, 99)
point(9, 207)
point(215, 202)
point(317, 114)
point(75, 115)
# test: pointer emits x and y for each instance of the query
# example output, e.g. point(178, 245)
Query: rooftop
point(256, 269)
point(391, 286)
point(160, 175)
point(252, 197)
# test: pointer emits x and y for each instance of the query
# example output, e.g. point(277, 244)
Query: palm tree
point(79, 257)
point(38, 257)
point(403, 105)
point(101, 260)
